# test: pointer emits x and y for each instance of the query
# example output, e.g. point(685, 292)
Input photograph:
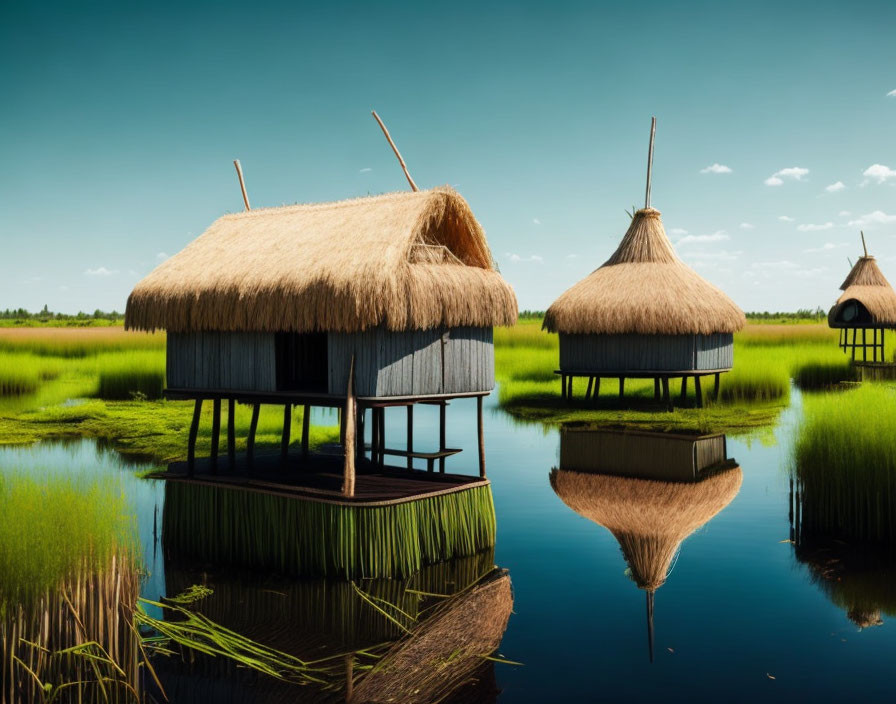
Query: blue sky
point(119, 123)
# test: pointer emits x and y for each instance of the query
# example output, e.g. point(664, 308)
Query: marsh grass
point(77, 342)
point(131, 374)
point(23, 373)
point(825, 375)
point(845, 462)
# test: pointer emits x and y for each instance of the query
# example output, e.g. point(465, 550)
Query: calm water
point(736, 610)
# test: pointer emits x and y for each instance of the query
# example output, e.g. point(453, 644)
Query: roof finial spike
point(650, 160)
point(395, 149)
point(239, 173)
point(650, 623)
point(863, 242)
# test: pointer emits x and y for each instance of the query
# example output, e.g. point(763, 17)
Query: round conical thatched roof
point(648, 518)
point(644, 288)
point(867, 285)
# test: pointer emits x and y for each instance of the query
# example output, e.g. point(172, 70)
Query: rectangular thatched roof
point(411, 260)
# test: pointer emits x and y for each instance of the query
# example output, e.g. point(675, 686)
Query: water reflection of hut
point(868, 303)
point(650, 517)
point(432, 651)
point(279, 305)
point(644, 314)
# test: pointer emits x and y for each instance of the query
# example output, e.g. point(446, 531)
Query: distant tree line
point(801, 314)
point(46, 315)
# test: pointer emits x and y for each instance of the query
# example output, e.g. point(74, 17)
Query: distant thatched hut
point(644, 314)
point(651, 517)
point(868, 302)
point(277, 305)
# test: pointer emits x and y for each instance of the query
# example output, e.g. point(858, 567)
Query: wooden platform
point(318, 477)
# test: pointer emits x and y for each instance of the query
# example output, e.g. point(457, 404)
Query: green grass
point(845, 463)
point(284, 534)
point(824, 375)
point(53, 528)
point(23, 373)
point(77, 342)
point(131, 374)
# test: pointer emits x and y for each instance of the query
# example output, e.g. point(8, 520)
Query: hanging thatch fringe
point(644, 288)
point(341, 267)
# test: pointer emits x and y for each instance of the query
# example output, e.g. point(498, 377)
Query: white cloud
point(785, 218)
point(844, 213)
point(678, 231)
point(101, 271)
point(716, 169)
point(746, 226)
point(532, 258)
point(767, 269)
point(879, 173)
point(162, 256)
point(826, 247)
point(791, 172)
point(891, 94)
point(365, 170)
point(878, 217)
point(834, 187)
point(701, 258)
point(814, 228)
point(718, 236)
point(572, 256)
point(536, 221)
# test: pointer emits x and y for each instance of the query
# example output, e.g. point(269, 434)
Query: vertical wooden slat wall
point(242, 361)
point(646, 352)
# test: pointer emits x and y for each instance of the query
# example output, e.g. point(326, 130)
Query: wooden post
point(864, 346)
point(656, 388)
point(374, 434)
point(481, 435)
point(442, 412)
point(382, 439)
point(718, 384)
point(621, 387)
point(590, 387)
point(231, 433)
point(287, 430)
point(250, 441)
point(596, 387)
point(306, 428)
point(853, 344)
point(348, 467)
point(216, 434)
point(650, 161)
point(666, 395)
point(410, 435)
point(395, 149)
point(362, 413)
point(239, 173)
point(563, 387)
point(684, 387)
point(698, 391)
point(191, 441)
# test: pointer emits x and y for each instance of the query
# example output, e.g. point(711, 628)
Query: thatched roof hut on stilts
point(868, 302)
point(650, 517)
point(644, 314)
point(360, 305)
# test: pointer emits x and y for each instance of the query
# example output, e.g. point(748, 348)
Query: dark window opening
point(302, 362)
point(853, 313)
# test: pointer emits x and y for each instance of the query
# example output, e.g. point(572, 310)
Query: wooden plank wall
point(641, 455)
point(411, 363)
point(242, 361)
point(646, 352)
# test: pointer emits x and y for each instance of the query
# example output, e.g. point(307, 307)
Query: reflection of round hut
point(644, 314)
point(868, 303)
point(649, 518)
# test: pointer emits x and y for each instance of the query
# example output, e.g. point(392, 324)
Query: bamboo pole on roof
point(650, 161)
point(395, 149)
point(239, 173)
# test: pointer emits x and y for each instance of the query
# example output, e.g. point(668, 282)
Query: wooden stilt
point(191, 441)
point(684, 387)
point(656, 388)
point(362, 418)
point(589, 389)
point(216, 434)
point(306, 428)
point(481, 436)
point(250, 441)
point(698, 391)
point(715, 394)
point(382, 440)
point(666, 395)
point(853, 344)
point(596, 388)
point(621, 387)
point(287, 430)
point(231, 433)
point(563, 387)
point(442, 413)
point(864, 346)
point(348, 442)
point(410, 435)
point(374, 434)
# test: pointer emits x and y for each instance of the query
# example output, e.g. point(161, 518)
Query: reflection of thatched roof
point(648, 518)
point(445, 650)
point(867, 285)
point(644, 288)
point(410, 260)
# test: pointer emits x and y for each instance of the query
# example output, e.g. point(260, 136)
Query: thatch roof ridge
point(865, 272)
point(648, 518)
point(644, 288)
point(406, 260)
